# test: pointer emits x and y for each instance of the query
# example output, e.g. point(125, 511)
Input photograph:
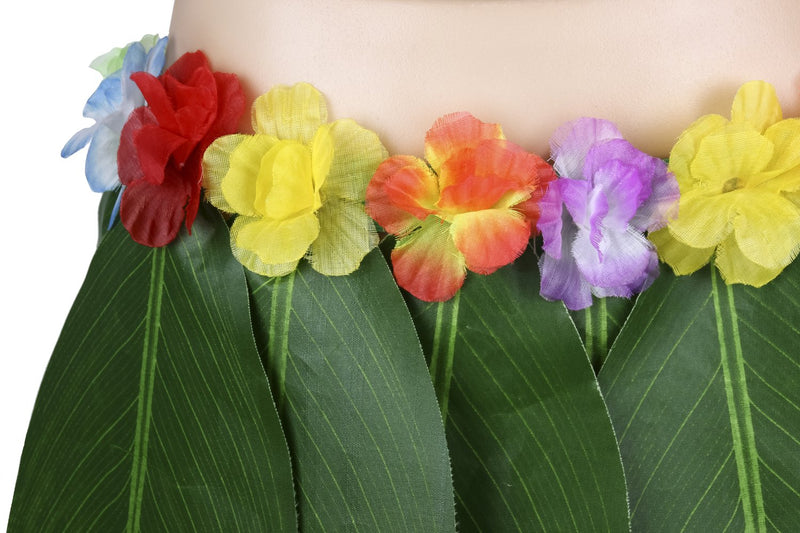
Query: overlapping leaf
point(357, 403)
point(530, 439)
point(155, 413)
point(703, 389)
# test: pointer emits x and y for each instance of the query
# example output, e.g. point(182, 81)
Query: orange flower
point(472, 205)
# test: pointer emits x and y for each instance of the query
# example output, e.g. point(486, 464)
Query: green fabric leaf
point(357, 402)
point(530, 439)
point(702, 386)
point(599, 325)
point(155, 413)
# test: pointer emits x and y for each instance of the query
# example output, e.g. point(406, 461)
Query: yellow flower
point(297, 185)
point(739, 182)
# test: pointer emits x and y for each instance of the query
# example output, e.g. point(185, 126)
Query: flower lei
point(301, 187)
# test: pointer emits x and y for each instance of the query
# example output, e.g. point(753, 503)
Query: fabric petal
point(156, 57)
point(570, 143)
point(238, 185)
point(216, 164)
point(491, 238)
point(392, 177)
point(621, 184)
point(704, 220)
point(494, 174)
point(683, 153)
point(78, 141)
point(231, 104)
point(757, 104)
point(782, 173)
point(551, 220)
point(346, 235)
point(623, 257)
point(105, 100)
point(682, 258)
point(275, 242)
point(735, 267)
point(153, 214)
point(357, 154)
point(154, 147)
point(732, 154)
point(322, 154)
point(766, 228)
point(290, 113)
point(662, 205)
point(251, 261)
point(560, 277)
point(454, 132)
point(427, 264)
point(101, 160)
point(285, 186)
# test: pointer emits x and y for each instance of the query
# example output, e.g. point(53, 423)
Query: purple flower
point(612, 193)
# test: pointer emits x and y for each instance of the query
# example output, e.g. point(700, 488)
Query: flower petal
point(621, 185)
point(105, 100)
point(239, 184)
point(683, 153)
point(704, 219)
point(735, 267)
point(346, 235)
point(623, 257)
point(757, 104)
point(490, 238)
point(78, 141)
point(682, 258)
point(767, 229)
point(216, 164)
point(251, 261)
point(427, 264)
point(290, 113)
point(571, 142)
point(560, 277)
point(392, 194)
point(494, 174)
point(551, 220)
point(357, 154)
point(454, 132)
point(662, 204)
point(153, 214)
point(275, 242)
point(101, 159)
point(285, 185)
point(783, 172)
point(733, 153)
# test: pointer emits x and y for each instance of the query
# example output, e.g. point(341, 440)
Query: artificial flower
point(297, 185)
point(473, 205)
point(115, 98)
point(594, 216)
point(162, 145)
point(739, 182)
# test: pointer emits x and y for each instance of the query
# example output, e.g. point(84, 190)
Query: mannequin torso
point(396, 65)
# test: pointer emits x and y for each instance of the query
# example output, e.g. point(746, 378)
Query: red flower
point(162, 145)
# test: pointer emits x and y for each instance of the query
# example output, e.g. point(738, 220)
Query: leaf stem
point(278, 341)
point(443, 352)
point(738, 399)
point(146, 385)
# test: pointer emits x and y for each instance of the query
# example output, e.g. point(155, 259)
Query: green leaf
point(530, 439)
point(357, 402)
point(155, 413)
point(599, 325)
point(702, 386)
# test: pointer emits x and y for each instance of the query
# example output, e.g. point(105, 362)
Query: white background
point(49, 226)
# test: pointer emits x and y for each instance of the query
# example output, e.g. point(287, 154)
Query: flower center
point(731, 185)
